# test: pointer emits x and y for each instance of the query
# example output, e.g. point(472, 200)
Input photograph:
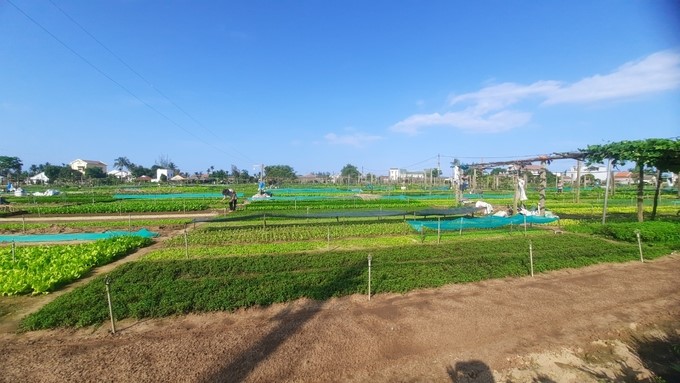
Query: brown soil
point(564, 326)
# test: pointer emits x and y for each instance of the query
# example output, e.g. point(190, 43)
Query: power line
point(420, 162)
point(149, 83)
point(93, 66)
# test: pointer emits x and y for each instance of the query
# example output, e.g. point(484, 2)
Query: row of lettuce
point(43, 268)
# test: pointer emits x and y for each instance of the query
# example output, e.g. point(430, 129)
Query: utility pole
point(578, 181)
point(439, 168)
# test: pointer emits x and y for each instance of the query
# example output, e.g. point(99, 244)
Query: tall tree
point(235, 172)
point(121, 163)
point(660, 153)
point(279, 173)
point(94, 173)
point(350, 172)
point(52, 172)
point(10, 166)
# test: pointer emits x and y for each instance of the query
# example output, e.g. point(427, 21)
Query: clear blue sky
point(320, 84)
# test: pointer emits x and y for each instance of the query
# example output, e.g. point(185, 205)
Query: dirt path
point(524, 329)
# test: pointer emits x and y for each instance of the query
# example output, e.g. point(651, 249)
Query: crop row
point(318, 246)
point(39, 269)
point(333, 204)
point(119, 207)
point(161, 288)
point(216, 235)
point(60, 199)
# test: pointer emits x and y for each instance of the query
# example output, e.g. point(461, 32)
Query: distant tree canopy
point(10, 166)
point(121, 163)
point(660, 153)
point(279, 173)
point(94, 173)
point(350, 172)
point(67, 174)
point(220, 174)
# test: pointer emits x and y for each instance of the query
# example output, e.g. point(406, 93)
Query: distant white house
point(39, 178)
point(120, 174)
point(599, 172)
point(397, 174)
point(82, 165)
point(168, 173)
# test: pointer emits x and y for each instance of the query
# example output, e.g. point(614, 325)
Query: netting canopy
point(75, 236)
point(489, 222)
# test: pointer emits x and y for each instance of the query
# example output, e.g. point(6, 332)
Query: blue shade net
point(75, 236)
point(480, 222)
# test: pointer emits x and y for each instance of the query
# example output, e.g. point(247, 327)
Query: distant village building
point(599, 172)
point(39, 178)
point(82, 165)
point(168, 173)
point(120, 174)
point(623, 178)
point(397, 175)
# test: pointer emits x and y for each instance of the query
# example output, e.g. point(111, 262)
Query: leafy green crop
point(216, 235)
point(122, 206)
point(39, 269)
point(169, 287)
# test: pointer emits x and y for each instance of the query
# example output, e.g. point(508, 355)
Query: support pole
point(578, 181)
point(516, 198)
point(439, 230)
point(531, 258)
point(186, 242)
point(541, 190)
point(637, 233)
point(369, 276)
point(606, 192)
point(107, 281)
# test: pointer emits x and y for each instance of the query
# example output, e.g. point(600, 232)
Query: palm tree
point(122, 162)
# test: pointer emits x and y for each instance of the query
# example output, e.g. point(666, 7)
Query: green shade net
point(480, 222)
point(74, 236)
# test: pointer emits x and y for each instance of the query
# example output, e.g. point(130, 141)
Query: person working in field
point(233, 200)
point(230, 194)
point(226, 193)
